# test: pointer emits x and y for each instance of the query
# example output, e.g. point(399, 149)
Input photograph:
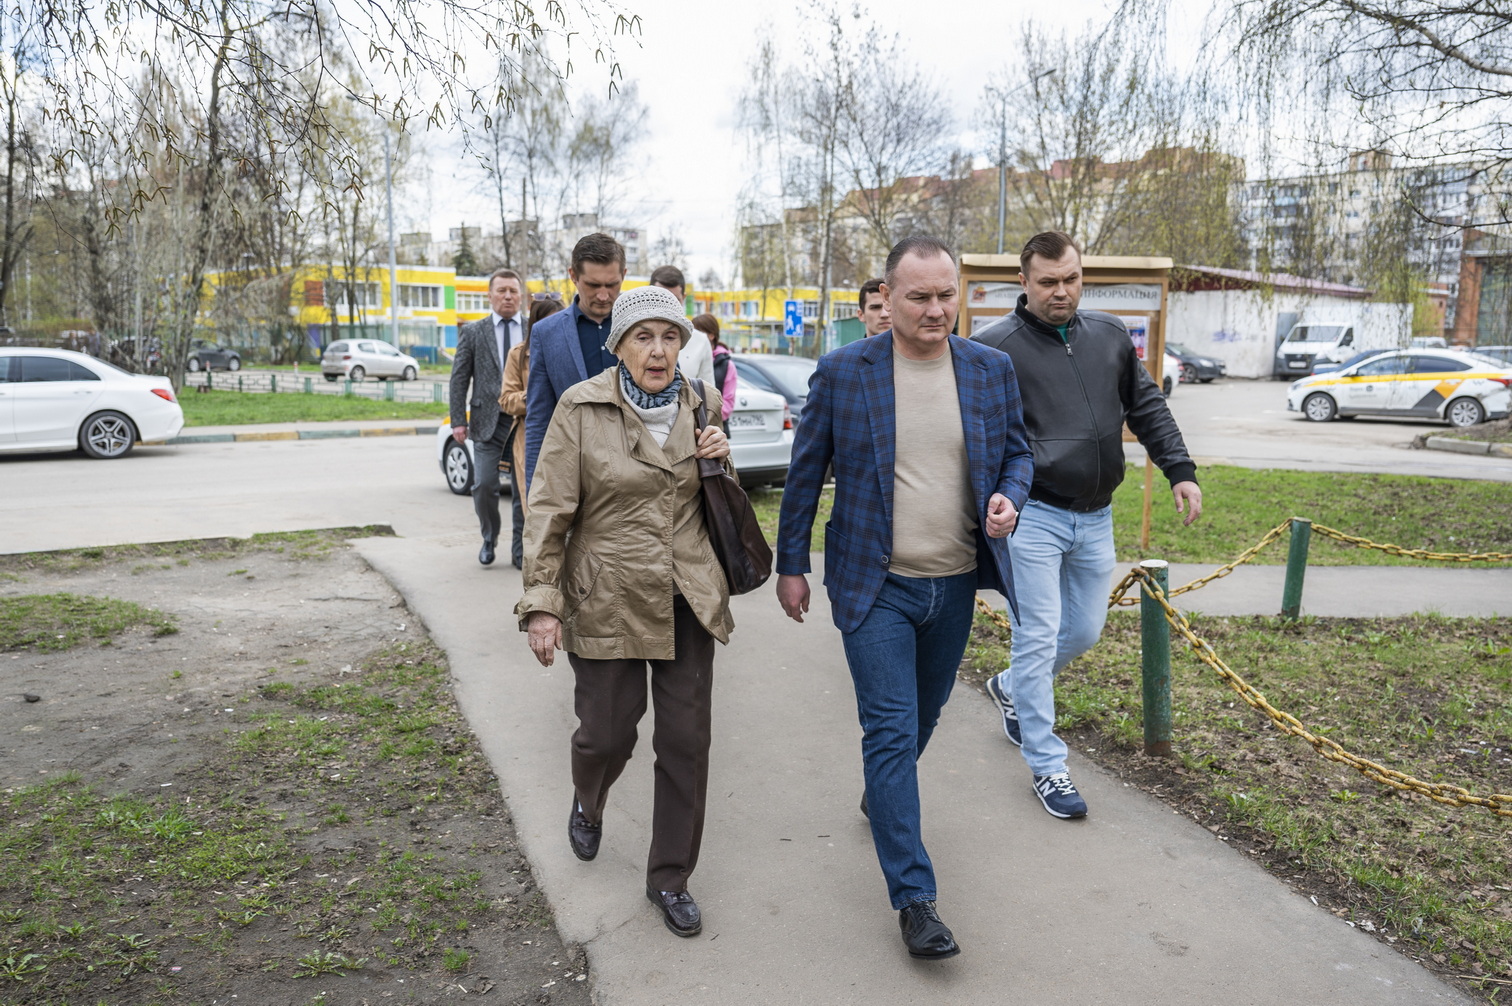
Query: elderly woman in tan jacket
point(619, 572)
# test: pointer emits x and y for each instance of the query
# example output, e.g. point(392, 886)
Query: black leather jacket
point(1077, 396)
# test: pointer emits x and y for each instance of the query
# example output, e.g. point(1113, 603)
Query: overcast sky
point(690, 66)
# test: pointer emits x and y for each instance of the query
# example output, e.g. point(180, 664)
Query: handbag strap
point(707, 467)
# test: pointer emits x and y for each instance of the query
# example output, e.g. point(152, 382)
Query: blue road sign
point(792, 312)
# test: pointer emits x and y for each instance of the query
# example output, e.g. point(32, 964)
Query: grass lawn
point(237, 408)
point(1425, 695)
point(1241, 504)
point(63, 621)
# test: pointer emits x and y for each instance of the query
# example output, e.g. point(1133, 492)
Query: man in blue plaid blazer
point(926, 436)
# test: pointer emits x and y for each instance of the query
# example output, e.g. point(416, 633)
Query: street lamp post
point(388, 184)
point(1003, 155)
point(388, 181)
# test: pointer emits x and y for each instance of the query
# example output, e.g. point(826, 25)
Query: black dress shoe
point(486, 553)
point(925, 935)
point(583, 835)
point(865, 812)
point(679, 911)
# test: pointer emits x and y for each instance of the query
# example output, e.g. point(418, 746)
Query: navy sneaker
point(1059, 796)
point(1005, 706)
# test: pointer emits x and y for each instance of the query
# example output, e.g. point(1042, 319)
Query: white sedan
point(57, 400)
point(761, 444)
point(1460, 388)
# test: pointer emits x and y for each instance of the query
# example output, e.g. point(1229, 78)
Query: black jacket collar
point(1033, 321)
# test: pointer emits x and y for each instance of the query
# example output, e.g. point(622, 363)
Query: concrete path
point(1135, 904)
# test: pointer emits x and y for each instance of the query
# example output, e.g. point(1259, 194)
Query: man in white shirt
point(696, 359)
point(482, 347)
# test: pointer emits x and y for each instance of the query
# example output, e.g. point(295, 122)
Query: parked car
point(211, 356)
point(359, 359)
point(1462, 389)
point(787, 376)
point(1501, 354)
point(761, 444)
point(1195, 368)
point(58, 400)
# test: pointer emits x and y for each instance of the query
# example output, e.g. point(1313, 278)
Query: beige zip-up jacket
point(615, 524)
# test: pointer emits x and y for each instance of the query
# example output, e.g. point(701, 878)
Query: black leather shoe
point(582, 835)
point(486, 553)
point(864, 811)
point(924, 934)
point(679, 911)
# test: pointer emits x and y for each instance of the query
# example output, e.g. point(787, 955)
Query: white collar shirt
point(516, 333)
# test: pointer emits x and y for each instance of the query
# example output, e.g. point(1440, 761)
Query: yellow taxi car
point(1460, 388)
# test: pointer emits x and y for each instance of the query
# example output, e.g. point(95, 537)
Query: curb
point(1456, 446)
point(228, 438)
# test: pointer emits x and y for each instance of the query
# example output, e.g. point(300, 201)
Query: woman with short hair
point(619, 572)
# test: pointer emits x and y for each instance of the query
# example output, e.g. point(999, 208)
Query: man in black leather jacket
point(1080, 381)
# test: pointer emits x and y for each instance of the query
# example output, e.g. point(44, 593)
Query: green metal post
point(388, 391)
point(309, 387)
point(239, 383)
point(273, 382)
point(209, 381)
point(347, 389)
point(436, 391)
point(1155, 646)
point(1296, 568)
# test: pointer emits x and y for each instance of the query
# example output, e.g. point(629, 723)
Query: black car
point(1194, 366)
point(1328, 368)
point(788, 376)
point(205, 355)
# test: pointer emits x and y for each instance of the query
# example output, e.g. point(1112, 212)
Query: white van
point(1315, 341)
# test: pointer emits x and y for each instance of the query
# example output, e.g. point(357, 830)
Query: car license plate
point(740, 421)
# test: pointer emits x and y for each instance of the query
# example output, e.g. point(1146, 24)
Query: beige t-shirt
point(934, 513)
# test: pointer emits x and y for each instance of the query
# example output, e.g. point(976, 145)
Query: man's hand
point(793, 594)
point(1188, 501)
point(459, 433)
point(544, 631)
point(1001, 516)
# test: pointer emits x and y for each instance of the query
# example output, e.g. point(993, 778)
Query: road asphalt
point(1135, 904)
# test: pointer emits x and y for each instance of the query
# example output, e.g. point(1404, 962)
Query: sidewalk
point(306, 431)
point(1135, 904)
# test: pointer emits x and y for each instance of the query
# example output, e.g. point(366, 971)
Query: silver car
point(359, 359)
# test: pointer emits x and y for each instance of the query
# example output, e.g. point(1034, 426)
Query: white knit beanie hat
point(646, 303)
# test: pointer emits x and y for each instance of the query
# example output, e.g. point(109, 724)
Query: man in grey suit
point(482, 347)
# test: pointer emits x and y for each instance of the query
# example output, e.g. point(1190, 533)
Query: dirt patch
point(280, 802)
point(1496, 431)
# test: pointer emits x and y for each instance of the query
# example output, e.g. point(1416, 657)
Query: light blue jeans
point(1062, 563)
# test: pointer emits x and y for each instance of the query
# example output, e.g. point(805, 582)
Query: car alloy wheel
point(194, 365)
point(409, 374)
point(234, 363)
point(1188, 374)
point(107, 435)
point(356, 374)
point(1466, 412)
point(1320, 408)
point(458, 469)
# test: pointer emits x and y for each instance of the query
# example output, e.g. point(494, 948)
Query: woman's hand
point(544, 630)
point(712, 443)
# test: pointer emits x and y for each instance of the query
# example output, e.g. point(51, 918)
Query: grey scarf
point(645, 399)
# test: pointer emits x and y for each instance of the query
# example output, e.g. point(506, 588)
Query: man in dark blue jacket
point(568, 347)
point(1081, 381)
point(931, 468)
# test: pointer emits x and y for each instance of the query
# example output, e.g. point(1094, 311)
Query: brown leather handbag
point(742, 550)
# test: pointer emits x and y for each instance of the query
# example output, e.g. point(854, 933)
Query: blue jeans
point(1062, 562)
point(903, 659)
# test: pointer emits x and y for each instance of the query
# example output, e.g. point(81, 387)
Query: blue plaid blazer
point(849, 420)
